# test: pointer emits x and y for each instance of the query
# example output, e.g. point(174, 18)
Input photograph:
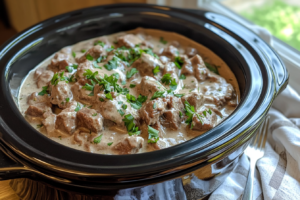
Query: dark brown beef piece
point(194, 98)
point(38, 110)
point(129, 40)
point(146, 63)
point(170, 51)
point(207, 122)
point(89, 118)
point(34, 98)
point(44, 78)
point(59, 94)
point(95, 52)
point(49, 122)
point(65, 121)
point(149, 86)
point(82, 67)
point(195, 67)
point(152, 110)
point(171, 117)
point(61, 60)
point(129, 145)
point(82, 95)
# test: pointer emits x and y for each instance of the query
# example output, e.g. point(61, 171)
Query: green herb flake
point(97, 140)
point(120, 102)
point(112, 64)
point(158, 94)
point(132, 85)
point(73, 54)
point(121, 112)
point(163, 41)
point(178, 62)
point(67, 99)
point(78, 107)
point(204, 113)
point(179, 95)
point(152, 135)
point(212, 68)
point(109, 144)
point(182, 76)
point(123, 82)
point(124, 106)
point(44, 91)
point(89, 57)
point(109, 96)
point(156, 70)
point(209, 111)
point(110, 49)
point(130, 73)
point(39, 125)
point(95, 114)
point(83, 50)
point(154, 105)
point(101, 99)
point(99, 43)
point(180, 114)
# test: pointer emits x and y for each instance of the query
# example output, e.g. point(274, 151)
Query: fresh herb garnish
point(130, 73)
point(209, 111)
point(180, 114)
point(124, 106)
point(112, 64)
point(83, 50)
point(44, 91)
point(101, 99)
point(110, 49)
point(179, 95)
point(156, 70)
point(152, 135)
point(109, 96)
point(163, 41)
point(99, 43)
point(99, 60)
point(154, 105)
point(178, 62)
point(89, 57)
point(132, 85)
point(71, 68)
point(109, 144)
point(182, 76)
point(123, 82)
point(166, 79)
point(131, 97)
point(73, 54)
point(39, 125)
point(97, 140)
point(78, 107)
point(131, 127)
point(67, 99)
point(212, 68)
point(121, 112)
point(173, 85)
point(190, 112)
point(157, 94)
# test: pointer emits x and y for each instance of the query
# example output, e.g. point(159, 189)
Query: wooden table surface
point(6, 193)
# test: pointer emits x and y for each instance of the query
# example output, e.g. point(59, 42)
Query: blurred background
point(280, 17)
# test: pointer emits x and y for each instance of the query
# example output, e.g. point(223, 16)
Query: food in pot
point(129, 92)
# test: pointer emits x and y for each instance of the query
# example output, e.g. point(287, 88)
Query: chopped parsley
point(78, 107)
point(182, 76)
point(39, 125)
point(101, 99)
point(95, 114)
point(71, 68)
point(136, 103)
point(154, 105)
point(44, 91)
point(67, 99)
point(167, 79)
point(121, 112)
point(110, 49)
point(132, 85)
point(89, 57)
point(156, 70)
point(209, 111)
point(178, 62)
point(109, 144)
point(91, 75)
point(120, 102)
point(112, 64)
point(83, 50)
point(130, 73)
point(152, 135)
point(173, 85)
point(123, 82)
point(99, 60)
point(180, 114)
point(157, 94)
point(212, 68)
point(58, 77)
point(163, 41)
point(109, 96)
point(124, 106)
point(130, 97)
point(204, 113)
point(131, 127)
point(99, 43)
point(73, 54)
point(179, 95)
point(97, 140)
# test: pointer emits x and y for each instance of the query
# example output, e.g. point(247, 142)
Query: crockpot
point(27, 153)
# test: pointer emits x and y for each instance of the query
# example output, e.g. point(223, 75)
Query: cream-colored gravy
point(115, 134)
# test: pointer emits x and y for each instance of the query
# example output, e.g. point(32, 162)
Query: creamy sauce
point(83, 139)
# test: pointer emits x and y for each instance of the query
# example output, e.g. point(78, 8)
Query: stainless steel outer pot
point(27, 153)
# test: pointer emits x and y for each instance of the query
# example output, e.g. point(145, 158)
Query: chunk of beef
point(171, 116)
point(49, 123)
point(146, 44)
point(65, 121)
point(59, 93)
point(130, 145)
point(82, 95)
point(89, 118)
point(152, 110)
point(34, 98)
point(175, 43)
point(205, 122)
point(95, 52)
point(149, 86)
point(61, 60)
point(164, 59)
point(195, 67)
point(129, 40)
point(170, 51)
point(190, 51)
point(38, 110)
point(194, 98)
point(82, 67)
point(38, 72)
point(44, 78)
point(171, 69)
point(190, 83)
point(112, 109)
point(146, 63)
